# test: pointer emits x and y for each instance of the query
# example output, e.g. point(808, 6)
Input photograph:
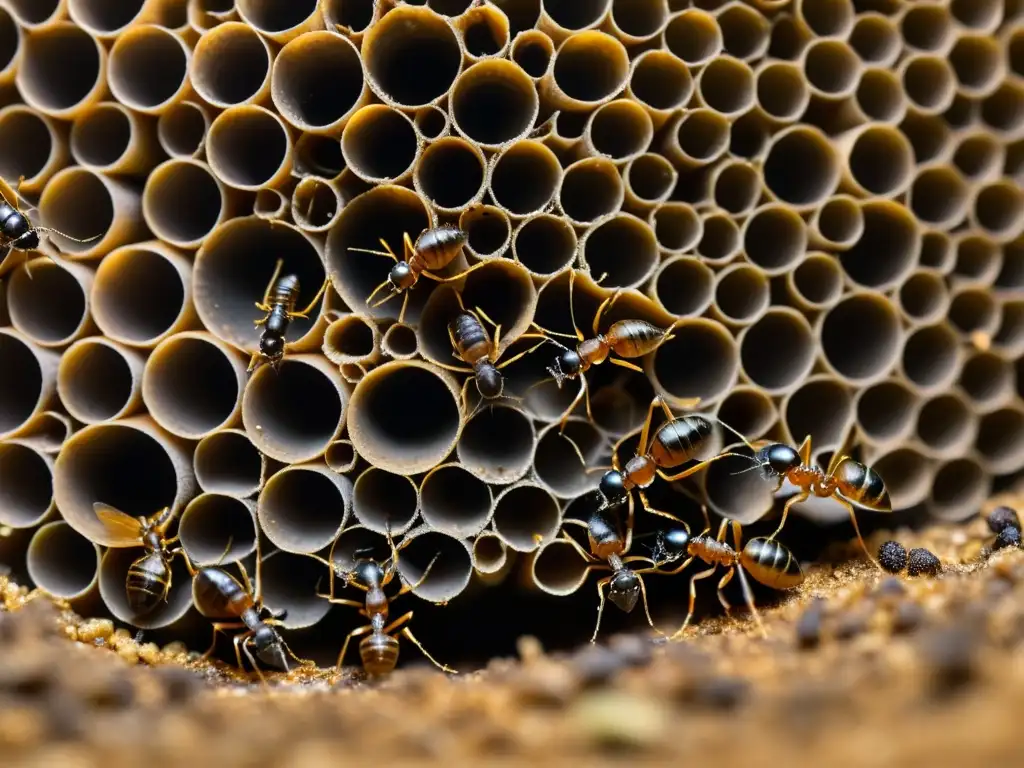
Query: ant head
point(269, 647)
point(674, 542)
point(26, 242)
point(778, 459)
point(567, 366)
point(489, 382)
point(272, 347)
point(368, 572)
point(624, 589)
point(613, 487)
point(401, 276)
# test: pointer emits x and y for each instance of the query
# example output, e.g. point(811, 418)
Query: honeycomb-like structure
point(821, 199)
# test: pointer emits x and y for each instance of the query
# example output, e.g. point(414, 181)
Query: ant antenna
point(69, 237)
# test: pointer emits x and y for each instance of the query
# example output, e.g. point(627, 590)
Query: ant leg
point(856, 528)
point(439, 279)
point(641, 448)
point(511, 360)
point(572, 307)
point(796, 499)
point(680, 569)
point(408, 245)
point(386, 252)
point(220, 627)
point(749, 597)
point(600, 605)
point(647, 610)
point(374, 292)
point(648, 508)
point(303, 662)
point(341, 601)
point(696, 467)
point(576, 401)
point(805, 451)
point(348, 637)
point(405, 305)
point(625, 364)
point(419, 582)
point(587, 557)
point(254, 362)
point(721, 585)
point(604, 307)
point(548, 332)
point(304, 313)
point(408, 635)
point(264, 306)
point(252, 660)
point(693, 599)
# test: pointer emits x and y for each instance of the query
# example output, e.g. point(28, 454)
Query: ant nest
point(476, 297)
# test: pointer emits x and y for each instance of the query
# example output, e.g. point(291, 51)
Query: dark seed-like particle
point(808, 626)
point(892, 556)
point(921, 562)
point(1008, 537)
point(1002, 517)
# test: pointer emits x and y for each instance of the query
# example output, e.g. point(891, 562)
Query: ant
point(851, 483)
point(148, 581)
point(219, 595)
point(609, 550)
point(766, 560)
point(434, 249)
point(626, 338)
point(473, 345)
point(16, 231)
point(379, 651)
point(279, 302)
point(673, 443)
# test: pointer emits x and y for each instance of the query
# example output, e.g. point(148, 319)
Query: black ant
point(16, 231)
point(279, 302)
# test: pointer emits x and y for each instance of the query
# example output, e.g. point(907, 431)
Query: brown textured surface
point(860, 669)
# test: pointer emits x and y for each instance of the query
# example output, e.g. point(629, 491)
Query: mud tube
point(100, 380)
point(590, 189)
point(556, 463)
point(490, 232)
point(382, 501)
point(62, 70)
point(683, 286)
point(26, 476)
point(227, 463)
point(817, 282)
point(231, 65)
point(249, 148)
point(526, 517)
point(110, 138)
point(216, 529)
point(959, 489)
point(742, 295)
point(987, 380)
point(604, 248)
point(545, 244)
point(380, 145)
point(29, 388)
point(1000, 441)
point(923, 298)
point(677, 227)
point(63, 563)
point(888, 249)
point(452, 567)
point(932, 358)
point(303, 508)
point(946, 426)
point(808, 149)
point(497, 445)
point(455, 501)
point(48, 301)
point(778, 351)
point(31, 145)
point(451, 175)
point(672, 374)
point(184, 202)
point(860, 337)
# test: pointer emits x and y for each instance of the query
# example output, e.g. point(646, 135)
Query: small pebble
point(180, 685)
point(850, 625)
point(950, 654)
point(719, 692)
point(1002, 517)
point(892, 556)
point(890, 587)
point(907, 618)
point(115, 692)
point(1007, 537)
point(596, 665)
point(633, 650)
point(921, 562)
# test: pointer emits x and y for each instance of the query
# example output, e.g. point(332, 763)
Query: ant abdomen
point(771, 563)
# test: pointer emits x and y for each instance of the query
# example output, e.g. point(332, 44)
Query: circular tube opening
point(382, 501)
point(623, 247)
point(412, 57)
point(703, 135)
point(621, 130)
point(247, 147)
point(832, 67)
point(49, 306)
point(231, 64)
point(591, 67)
point(959, 489)
point(557, 463)
point(404, 417)
point(216, 529)
point(431, 122)
point(303, 509)
point(181, 402)
point(101, 137)
point(928, 81)
point(451, 173)
point(379, 143)
point(227, 462)
point(533, 52)
point(742, 293)
point(497, 445)
point(558, 569)
point(881, 161)
point(938, 196)
point(494, 102)
point(61, 66)
point(26, 485)
point(61, 561)
point(720, 240)
point(525, 516)
point(26, 141)
point(181, 130)
point(926, 27)
point(95, 380)
point(269, 17)
point(148, 67)
point(317, 80)
point(1001, 440)
point(945, 425)
point(650, 177)
point(749, 411)
point(694, 36)
point(545, 244)
point(677, 226)
point(290, 583)
point(79, 203)
point(454, 501)
point(886, 411)
point(21, 389)
point(782, 90)
point(778, 350)
point(987, 378)
point(293, 414)
point(450, 573)
point(590, 189)
point(818, 280)
point(860, 337)
point(684, 286)
point(705, 340)
point(661, 81)
point(775, 238)
point(182, 202)
point(726, 85)
point(488, 228)
point(525, 178)
point(923, 297)
point(138, 295)
point(931, 356)
point(103, 17)
point(999, 209)
point(113, 576)
point(887, 250)
point(802, 167)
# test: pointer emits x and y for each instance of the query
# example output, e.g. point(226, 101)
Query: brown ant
point(851, 483)
point(434, 249)
point(609, 550)
point(765, 559)
point(626, 338)
point(675, 442)
point(219, 595)
point(149, 578)
point(473, 345)
point(16, 231)
point(279, 302)
point(379, 651)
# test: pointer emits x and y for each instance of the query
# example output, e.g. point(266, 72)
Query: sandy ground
point(860, 669)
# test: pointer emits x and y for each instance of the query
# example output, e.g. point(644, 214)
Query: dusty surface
point(860, 669)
